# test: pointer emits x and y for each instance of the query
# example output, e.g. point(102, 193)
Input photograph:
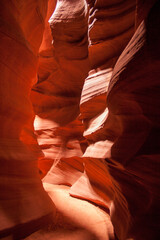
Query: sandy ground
point(76, 219)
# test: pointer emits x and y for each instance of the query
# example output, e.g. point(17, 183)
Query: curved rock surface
point(22, 199)
point(96, 107)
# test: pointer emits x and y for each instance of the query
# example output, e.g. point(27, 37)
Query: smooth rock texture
point(132, 126)
point(79, 220)
point(22, 200)
point(90, 69)
point(103, 128)
point(62, 70)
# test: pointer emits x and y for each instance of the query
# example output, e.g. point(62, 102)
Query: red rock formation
point(103, 130)
point(56, 109)
point(61, 73)
point(22, 197)
point(129, 131)
point(97, 114)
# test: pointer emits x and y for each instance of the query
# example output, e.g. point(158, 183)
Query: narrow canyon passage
point(80, 119)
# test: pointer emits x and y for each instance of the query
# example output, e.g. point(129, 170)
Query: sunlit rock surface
point(132, 126)
point(111, 135)
point(96, 103)
point(63, 67)
point(79, 220)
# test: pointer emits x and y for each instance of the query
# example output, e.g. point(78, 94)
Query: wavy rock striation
point(96, 102)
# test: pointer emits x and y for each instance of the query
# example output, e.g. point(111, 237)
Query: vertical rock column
point(63, 67)
point(22, 198)
point(128, 179)
point(111, 25)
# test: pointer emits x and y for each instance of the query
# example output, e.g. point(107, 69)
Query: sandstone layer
point(87, 73)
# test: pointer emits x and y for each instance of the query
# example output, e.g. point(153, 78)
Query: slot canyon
point(80, 119)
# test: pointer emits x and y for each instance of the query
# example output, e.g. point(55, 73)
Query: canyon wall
point(90, 69)
point(22, 197)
